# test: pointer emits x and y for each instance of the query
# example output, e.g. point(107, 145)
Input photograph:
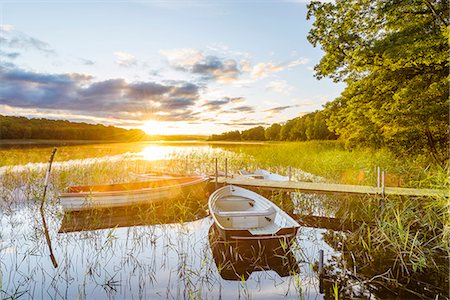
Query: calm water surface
point(165, 252)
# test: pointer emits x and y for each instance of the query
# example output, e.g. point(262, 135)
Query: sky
point(168, 67)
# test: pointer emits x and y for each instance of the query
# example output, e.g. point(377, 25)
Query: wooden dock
point(313, 187)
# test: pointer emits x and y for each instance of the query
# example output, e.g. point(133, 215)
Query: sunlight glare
point(156, 152)
point(154, 127)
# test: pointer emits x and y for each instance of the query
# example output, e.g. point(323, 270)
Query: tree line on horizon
point(24, 128)
point(309, 127)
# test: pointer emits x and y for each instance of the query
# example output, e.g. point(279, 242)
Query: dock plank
point(315, 187)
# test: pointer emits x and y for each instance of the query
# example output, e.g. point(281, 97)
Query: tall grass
point(331, 160)
point(408, 237)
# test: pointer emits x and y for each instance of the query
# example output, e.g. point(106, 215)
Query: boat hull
point(233, 234)
point(93, 200)
point(249, 216)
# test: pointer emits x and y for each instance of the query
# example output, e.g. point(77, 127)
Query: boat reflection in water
point(238, 259)
point(185, 210)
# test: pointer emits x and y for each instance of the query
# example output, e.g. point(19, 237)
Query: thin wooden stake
point(378, 176)
point(47, 175)
point(47, 236)
point(226, 167)
point(382, 184)
point(216, 173)
point(290, 173)
point(320, 262)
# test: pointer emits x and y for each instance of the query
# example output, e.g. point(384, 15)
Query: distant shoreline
point(36, 142)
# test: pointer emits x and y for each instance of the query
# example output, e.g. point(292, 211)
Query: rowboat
point(242, 214)
point(263, 174)
point(125, 194)
point(238, 259)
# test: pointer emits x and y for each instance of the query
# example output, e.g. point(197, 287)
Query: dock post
point(216, 173)
point(290, 173)
point(320, 262)
point(226, 167)
point(378, 176)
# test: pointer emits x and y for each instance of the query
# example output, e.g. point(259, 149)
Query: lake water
point(170, 251)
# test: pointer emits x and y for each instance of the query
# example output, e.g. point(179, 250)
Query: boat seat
point(246, 213)
point(236, 198)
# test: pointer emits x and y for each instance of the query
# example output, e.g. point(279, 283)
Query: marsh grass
point(330, 159)
point(407, 239)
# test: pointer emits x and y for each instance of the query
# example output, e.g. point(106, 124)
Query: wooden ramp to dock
point(314, 187)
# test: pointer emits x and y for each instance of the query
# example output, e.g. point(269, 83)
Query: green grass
point(331, 160)
point(408, 236)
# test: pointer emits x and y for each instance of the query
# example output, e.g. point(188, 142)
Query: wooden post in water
point(226, 167)
point(378, 176)
point(290, 173)
point(47, 236)
point(47, 175)
point(320, 262)
point(382, 184)
point(216, 173)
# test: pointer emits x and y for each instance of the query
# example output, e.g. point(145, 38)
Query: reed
point(408, 237)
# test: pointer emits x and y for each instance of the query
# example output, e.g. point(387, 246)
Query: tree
point(393, 55)
point(254, 134)
point(273, 132)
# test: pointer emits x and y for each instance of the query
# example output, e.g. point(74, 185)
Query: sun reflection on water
point(157, 152)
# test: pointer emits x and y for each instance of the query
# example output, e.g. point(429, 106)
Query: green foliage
point(273, 132)
point(23, 128)
point(226, 136)
point(311, 126)
point(393, 55)
point(254, 134)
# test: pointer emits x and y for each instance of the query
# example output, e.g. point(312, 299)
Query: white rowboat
point(135, 193)
point(242, 214)
point(263, 174)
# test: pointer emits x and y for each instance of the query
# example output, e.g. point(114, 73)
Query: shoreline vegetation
point(401, 246)
point(14, 129)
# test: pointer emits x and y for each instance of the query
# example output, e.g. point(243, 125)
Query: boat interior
point(238, 212)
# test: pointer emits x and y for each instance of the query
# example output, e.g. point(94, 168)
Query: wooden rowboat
point(242, 214)
point(124, 194)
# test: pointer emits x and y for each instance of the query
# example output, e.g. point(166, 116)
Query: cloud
point(87, 62)
point(80, 94)
point(280, 86)
point(10, 55)
point(209, 67)
point(279, 109)
point(218, 105)
point(242, 122)
point(125, 59)
point(262, 70)
point(244, 109)
point(14, 39)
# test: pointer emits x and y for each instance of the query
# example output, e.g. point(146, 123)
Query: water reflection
point(166, 251)
point(237, 260)
point(137, 215)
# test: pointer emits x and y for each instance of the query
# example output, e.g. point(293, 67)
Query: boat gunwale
point(198, 179)
point(277, 209)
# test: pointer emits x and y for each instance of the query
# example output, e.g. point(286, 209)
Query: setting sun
point(155, 127)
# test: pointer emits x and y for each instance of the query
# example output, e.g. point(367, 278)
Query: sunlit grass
point(407, 236)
